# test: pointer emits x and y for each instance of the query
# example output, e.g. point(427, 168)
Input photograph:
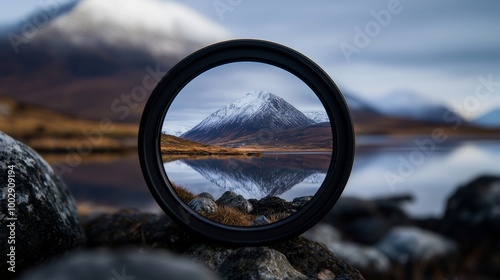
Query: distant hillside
point(490, 119)
point(48, 130)
point(97, 58)
point(412, 106)
point(172, 145)
point(316, 137)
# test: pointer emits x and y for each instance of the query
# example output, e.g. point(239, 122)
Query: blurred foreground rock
point(377, 237)
point(472, 218)
point(46, 222)
point(121, 265)
point(298, 258)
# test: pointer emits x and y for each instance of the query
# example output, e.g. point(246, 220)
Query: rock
point(299, 202)
point(210, 255)
point(132, 228)
point(233, 200)
point(47, 222)
point(368, 231)
point(367, 259)
point(258, 263)
point(247, 262)
point(323, 233)
point(410, 244)
point(473, 212)
point(121, 265)
point(472, 219)
point(365, 221)
point(203, 205)
point(260, 221)
point(315, 260)
point(271, 205)
point(298, 258)
point(206, 195)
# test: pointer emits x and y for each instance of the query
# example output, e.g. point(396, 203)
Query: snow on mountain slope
point(357, 104)
point(89, 54)
point(490, 119)
point(160, 28)
point(175, 130)
point(318, 117)
point(256, 111)
point(412, 106)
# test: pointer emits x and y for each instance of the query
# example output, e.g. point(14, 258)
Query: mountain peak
point(254, 112)
point(158, 28)
point(260, 94)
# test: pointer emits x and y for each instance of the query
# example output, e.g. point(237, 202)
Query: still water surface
point(286, 175)
point(119, 183)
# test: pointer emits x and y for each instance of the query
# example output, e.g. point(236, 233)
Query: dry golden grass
point(232, 217)
point(48, 130)
point(183, 193)
point(277, 217)
point(172, 145)
point(227, 215)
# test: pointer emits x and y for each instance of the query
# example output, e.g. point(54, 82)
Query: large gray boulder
point(121, 265)
point(473, 212)
point(233, 200)
point(365, 258)
point(295, 257)
point(46, 222)
point(255, 263)
point(410, 244)
point(203, 205)
point(246, 262)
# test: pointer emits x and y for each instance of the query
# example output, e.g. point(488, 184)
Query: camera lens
point(246, 142)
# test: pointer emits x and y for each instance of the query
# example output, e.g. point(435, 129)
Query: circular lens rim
point(246, 50)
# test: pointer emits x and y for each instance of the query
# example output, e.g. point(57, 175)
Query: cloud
point(227, 83)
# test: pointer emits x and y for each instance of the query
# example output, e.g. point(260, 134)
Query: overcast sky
point(434, 48)
point(230, 82)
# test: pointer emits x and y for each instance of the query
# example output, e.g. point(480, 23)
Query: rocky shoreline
point(233, 209)
point(374, 238)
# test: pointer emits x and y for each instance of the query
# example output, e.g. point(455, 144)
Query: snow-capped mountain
point(490, 119)
point(154, 27)
point(96, 59)
point(318, 117)
point(256, 111)
point(175, 130)
point(357, 104)
point(316, 178)
point(412, 106)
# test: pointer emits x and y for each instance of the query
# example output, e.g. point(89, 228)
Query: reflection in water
point(269, 175)
point(120, 184)
point(431, 181)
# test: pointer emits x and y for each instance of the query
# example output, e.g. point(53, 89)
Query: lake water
point(286, 175)
point(119, 182)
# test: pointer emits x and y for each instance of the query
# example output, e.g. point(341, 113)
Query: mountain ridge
point(256, 111)
point(92, 55)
